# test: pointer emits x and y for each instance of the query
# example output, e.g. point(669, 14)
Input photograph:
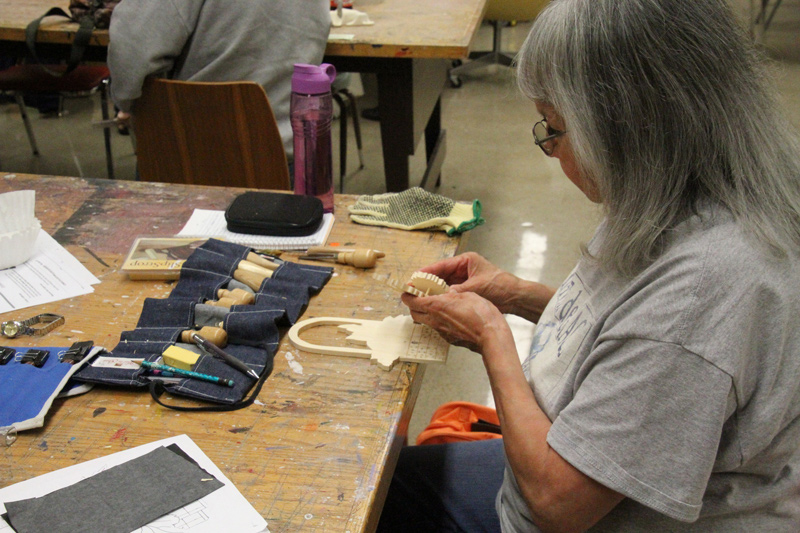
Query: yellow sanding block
point(180, 357)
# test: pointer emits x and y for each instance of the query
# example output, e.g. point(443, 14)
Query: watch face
point(10, 329)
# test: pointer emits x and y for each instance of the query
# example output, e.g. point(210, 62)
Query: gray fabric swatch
point(120, 499)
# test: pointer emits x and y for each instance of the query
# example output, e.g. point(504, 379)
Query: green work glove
point(416, 209)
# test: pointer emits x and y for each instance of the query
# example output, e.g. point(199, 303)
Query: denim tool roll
point(253, 330)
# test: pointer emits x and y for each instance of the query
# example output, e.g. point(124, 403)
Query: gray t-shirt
point(679, 388)
point(217, 40)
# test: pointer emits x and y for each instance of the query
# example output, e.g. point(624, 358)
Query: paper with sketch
point(222, 510)
point(51, 274)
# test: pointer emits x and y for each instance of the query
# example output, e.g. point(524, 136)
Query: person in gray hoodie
point(215, 40)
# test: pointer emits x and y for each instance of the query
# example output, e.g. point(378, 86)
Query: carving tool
point(251, 279)
point(228, 298)
point(262, 261)
point(252, 267)
point(219, 353)
point(222, 302)
point(217, 336)
point(357, 257)
point(187, 373)
point(241, 296)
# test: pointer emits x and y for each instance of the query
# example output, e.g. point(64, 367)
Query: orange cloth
point(452, 422)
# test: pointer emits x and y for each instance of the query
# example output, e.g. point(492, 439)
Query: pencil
point(215, 351)
point(187, 373)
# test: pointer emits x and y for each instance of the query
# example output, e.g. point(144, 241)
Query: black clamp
point(77, 352)
point(36, 358)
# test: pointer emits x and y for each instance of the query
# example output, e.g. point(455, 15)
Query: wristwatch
point(16, 328)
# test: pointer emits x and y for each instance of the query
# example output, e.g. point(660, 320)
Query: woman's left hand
point(461, 318)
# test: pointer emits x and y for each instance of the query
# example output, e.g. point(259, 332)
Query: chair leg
point(27, 122)
point(106, 130)
point(342, 139)
point(497, 41)
point(356, 126)
point(482, 59)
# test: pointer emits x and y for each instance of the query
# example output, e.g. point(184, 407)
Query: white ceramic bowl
point(16, 247)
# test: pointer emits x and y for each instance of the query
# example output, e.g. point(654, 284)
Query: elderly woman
point(662, 389)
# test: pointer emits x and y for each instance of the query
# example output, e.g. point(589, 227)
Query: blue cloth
point(25, 389)
point(445, 488)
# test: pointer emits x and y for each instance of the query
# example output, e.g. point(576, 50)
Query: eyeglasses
point(543, 134)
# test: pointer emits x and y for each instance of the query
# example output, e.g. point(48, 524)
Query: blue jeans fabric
point(253, 330)
point(445, 488)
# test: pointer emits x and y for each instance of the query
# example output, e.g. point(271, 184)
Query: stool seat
point(34, 79)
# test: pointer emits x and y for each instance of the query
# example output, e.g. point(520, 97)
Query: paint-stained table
point(317, 449)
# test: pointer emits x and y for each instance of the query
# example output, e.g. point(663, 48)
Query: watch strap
point(45, 323)
point(48, 321)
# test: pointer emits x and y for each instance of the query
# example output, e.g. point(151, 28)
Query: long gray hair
point(667, 103)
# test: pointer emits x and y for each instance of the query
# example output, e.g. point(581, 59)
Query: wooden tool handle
point(339, 250)
point(252, 267)
point(251, 279)
point(217, 336)
point(239, 296)
point(360, 257)
point(222, 302)
point(261, 261)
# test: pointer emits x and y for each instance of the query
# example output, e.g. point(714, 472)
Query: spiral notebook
point(208, 223)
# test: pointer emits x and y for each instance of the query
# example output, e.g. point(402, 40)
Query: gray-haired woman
point(662, 389)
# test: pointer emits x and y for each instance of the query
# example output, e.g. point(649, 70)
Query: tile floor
point(536, 219)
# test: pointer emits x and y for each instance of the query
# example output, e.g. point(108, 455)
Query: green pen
point(187, 373)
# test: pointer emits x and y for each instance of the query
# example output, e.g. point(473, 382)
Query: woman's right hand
point(470, 272)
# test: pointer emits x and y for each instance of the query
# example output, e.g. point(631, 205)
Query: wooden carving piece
point(424, 284)
point(384, 342)
point(421, 284)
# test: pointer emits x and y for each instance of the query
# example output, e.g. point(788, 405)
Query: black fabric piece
point(79, 43)
point(269, 213)
point(120, 499)
point(485, 427)
point(253, 330)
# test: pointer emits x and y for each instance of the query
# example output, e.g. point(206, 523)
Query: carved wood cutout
point(424, 284)
point(384, 342)
point(421, 284)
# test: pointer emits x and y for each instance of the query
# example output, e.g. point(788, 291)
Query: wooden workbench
point(410, 49)
point(316, 451)
point(433, 29)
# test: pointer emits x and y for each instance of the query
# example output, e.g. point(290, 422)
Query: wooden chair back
point(209, 133)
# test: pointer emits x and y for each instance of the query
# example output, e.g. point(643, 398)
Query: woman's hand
point(461, 318)
point(470, 272)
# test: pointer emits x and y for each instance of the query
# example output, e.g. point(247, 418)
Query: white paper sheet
point(224, 509)
point(51, 274)
point(208, 223)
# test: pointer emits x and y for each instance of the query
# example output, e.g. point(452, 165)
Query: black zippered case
point(271, 213)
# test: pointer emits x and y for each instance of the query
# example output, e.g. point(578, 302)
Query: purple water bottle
point(312, 113)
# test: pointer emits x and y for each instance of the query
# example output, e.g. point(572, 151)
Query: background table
point(317, 450)
point(410, 48)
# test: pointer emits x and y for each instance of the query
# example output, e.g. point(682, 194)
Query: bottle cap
point(312, 79)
